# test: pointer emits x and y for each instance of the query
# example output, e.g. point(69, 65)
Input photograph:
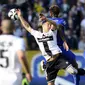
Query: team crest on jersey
point(43, 36)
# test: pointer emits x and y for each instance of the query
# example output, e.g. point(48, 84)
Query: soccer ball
point(13, 14)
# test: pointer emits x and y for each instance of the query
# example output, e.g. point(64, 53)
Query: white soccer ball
point(13, 14)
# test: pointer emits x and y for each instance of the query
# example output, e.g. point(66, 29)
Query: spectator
point(59, 2)
point(71, 40)
point(11, 4)
point(70, 21)
point(38, 6)
point(46, 4)
point(83, 24)
point(65, 9)
point(18, 29)
point(73, 11)
point(81, 44)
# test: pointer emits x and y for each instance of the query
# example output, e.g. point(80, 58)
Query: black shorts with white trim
point(53, 67)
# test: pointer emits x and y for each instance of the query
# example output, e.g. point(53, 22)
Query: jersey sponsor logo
point(45, 38)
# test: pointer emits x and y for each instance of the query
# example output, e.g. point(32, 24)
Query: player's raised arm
point(24, 23)
point(43, 19)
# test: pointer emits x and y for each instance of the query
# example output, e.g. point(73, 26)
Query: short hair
point(11, 25)
point(55, 10)
point(9, 19)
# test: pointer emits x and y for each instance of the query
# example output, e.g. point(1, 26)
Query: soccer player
point(54, 12)
point(12, 56)
point(47, 43)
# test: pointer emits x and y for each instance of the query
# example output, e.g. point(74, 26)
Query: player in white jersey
point(12, 56)
point(48, 46)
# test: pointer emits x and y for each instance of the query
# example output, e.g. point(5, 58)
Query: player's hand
point(66, 46)
point(42, 17)
point(19, 12)
point(29, 77)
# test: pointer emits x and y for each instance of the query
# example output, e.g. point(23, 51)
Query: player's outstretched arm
point(23, 61)
point(62, 35)
point(43, 19)
point(24, 23)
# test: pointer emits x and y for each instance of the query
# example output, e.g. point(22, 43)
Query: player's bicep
point(61, 32)
point(20, 49)
point(20, 54)
point(29, 29)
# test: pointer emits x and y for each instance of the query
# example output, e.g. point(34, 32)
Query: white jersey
point(47, 43)
point(10, 67)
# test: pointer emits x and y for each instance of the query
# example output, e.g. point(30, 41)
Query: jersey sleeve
point(20, 45)
point(63, 23)
point(35, 33)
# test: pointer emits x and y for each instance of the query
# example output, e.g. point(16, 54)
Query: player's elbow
point(21, 55)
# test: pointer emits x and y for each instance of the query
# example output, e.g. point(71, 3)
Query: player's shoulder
point(61, 20)
point(58, 20)
point(35, 33)
point(14, 38)
point(19, 43)
point(18, 39)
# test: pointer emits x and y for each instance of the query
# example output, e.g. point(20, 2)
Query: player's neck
point(45, 27)
point(45, 30)
point(7, 33)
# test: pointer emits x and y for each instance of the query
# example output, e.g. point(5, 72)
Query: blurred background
point(73, 11)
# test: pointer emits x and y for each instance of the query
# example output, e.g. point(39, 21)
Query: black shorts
point(54, 66)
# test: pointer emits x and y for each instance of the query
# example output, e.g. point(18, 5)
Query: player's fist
point(29, 77)
point(19, 12)
point(42, 17)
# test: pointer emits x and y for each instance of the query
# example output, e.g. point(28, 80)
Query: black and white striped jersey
point(47, 43)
